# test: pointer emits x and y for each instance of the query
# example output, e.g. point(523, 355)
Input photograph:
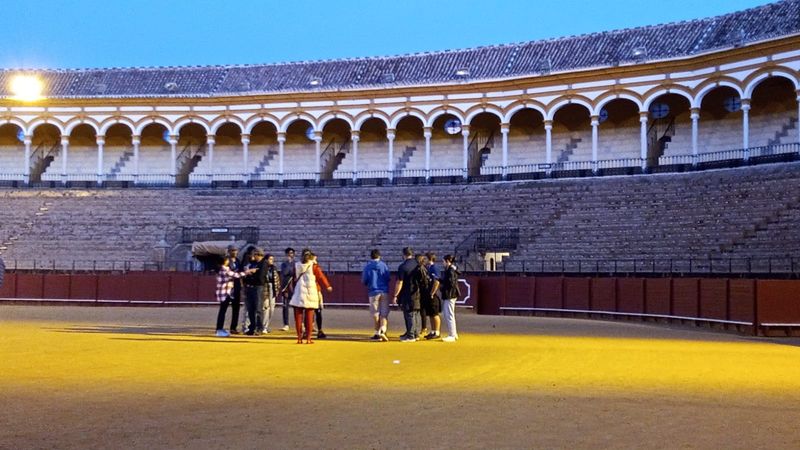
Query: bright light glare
point(27, 88)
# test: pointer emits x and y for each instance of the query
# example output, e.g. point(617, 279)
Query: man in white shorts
point(376, 278)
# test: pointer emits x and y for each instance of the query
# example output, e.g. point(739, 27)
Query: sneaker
point(432, 335)
point(235, 331)
point(383, 337)
point(222, 333)
point(321, 335)
point(449, 338)
point(408, 339)
point(285, 328)
point(268, 330)
point(375, 337)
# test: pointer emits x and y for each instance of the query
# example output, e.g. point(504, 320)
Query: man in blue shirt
point(376, 278)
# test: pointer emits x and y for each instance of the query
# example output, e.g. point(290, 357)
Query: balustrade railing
point(753, 155)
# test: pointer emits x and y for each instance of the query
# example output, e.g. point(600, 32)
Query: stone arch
point(222, 120)
point(560, 102)
point(143, 123)
point(185, 120)
point(443, 110)
point(752, 81)
point(42, 121)
point(251, 123)
point(651, 95)
point(15, 121)
point(403, 113)
point(331, 115)
point(294, 117)
point(110, 122)
point(483, 108)
point(609, 97)
point(519, 106)
point(709, 85)
point(76, 121)
point(366, 115)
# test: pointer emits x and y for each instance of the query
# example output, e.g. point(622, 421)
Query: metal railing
point(666, 163)
point(780, 267)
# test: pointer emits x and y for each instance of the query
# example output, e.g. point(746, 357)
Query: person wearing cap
point(254, 292)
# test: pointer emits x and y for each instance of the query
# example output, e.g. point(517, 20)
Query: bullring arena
point(623, 206)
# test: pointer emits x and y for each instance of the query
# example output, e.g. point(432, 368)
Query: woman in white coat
point(306, 298)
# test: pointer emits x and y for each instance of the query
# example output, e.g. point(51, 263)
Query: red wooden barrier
point(742, 300)
point(604, 294)
point(778, 302)
point(9, 287)
point(83, 287)
point(714, 299)
point(630, 295)
point(658, 296)
point(56, 286)
point(30, 285)
point(519, 292)
point(549, 292)
point(685, 293)
point(577, 292)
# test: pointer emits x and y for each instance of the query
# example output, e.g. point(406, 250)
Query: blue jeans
point(413, 320)
point(254, 302)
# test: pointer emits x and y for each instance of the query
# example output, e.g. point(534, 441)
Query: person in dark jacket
point(254, 292)
point(2, 271)
point(287, 281)
point(407, 294)
point(236, 294)
point(375, 277)
point(448, 286)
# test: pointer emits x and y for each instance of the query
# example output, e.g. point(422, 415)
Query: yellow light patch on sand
point(138, 358)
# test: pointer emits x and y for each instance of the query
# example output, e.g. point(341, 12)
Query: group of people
point(422, 291)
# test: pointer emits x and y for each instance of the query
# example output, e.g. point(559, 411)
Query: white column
point(548, 131)
point(281, 142)
point(798, 119)
point(643, 138)
point(136, 141)
point(465, 134)
point(210, 141)
point(595, 137)
point(354, 137)
point(746, 128)
point(101, 142)
point(504, 127)
point(26, 168)
point(245, 157)
point(173, 144)
point(427, 132)
point(318, 153)
point(695, 131)
point(64, 157)
point(390, 137)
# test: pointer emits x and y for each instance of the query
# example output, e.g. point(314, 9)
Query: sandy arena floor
point(157, 378)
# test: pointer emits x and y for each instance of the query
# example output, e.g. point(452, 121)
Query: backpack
point(423, 282)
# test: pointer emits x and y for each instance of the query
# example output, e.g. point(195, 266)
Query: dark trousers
point(286, 297)
point(235, 305)
point(412, 319)
point(223, 308)
point(254, 302)
point(318, 315)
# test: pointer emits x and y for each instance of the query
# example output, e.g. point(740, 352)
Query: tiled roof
point(608, 48)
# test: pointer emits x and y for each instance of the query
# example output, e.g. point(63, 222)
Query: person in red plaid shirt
point(224, 292)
